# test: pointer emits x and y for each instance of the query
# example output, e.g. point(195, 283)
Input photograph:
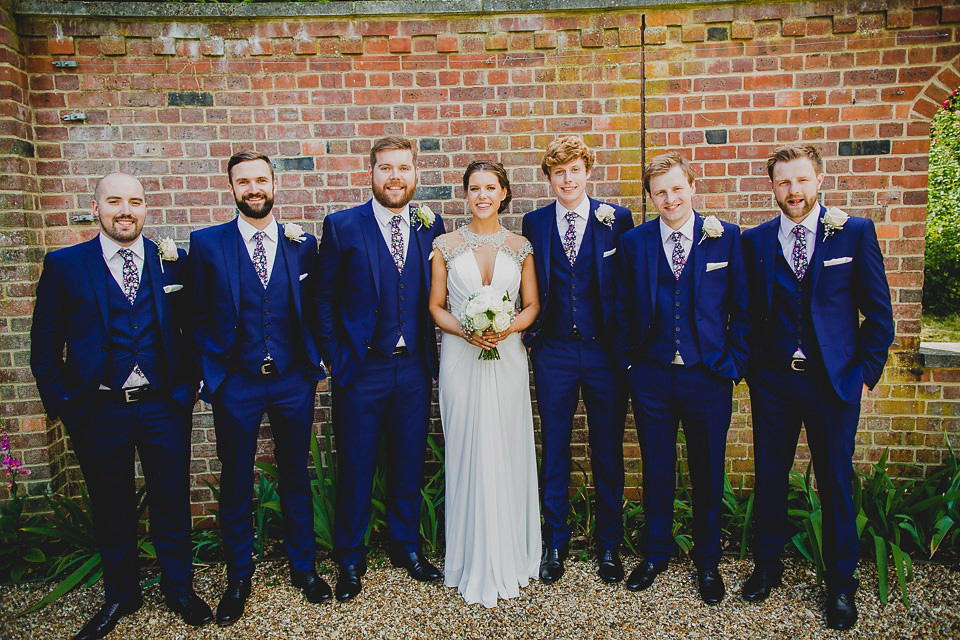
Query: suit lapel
point(652, 250)
point(419, 235)
point(770, 246)
point(151, 264)
point(545, 229)
point(600, 233)
point(229, 241)
point(819, 251)
point(370, 232)
point(698, 249)
point(291, 256)
point(97, 269)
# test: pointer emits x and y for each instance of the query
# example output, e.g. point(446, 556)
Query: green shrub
point(941, 287)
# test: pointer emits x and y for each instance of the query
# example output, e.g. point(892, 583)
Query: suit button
point(677, 329)
point(266, 299)
point(266, 312)
point(103, 349)
point(267, 324)
point(677, 341)
point(676, 317)
point(366, 341)
point(574, 308)
point(403, 297)
point(376, 311)
point(136, 326)
point(402, 285)
point(676, 304)
point(677, 292)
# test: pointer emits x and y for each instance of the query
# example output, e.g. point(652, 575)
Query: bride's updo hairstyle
point(496, 169)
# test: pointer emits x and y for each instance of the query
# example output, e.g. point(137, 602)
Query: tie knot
point(571, 216)
point(675, 236)
point(125, 253)
point(395, 221)
point(259, 235)
point(800, 230)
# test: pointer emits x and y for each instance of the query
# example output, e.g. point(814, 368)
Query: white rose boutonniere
point(167, 250)
point(294, 232)
point(712, 228)
point(605, 214)
point(424, 215)
point(833, 220)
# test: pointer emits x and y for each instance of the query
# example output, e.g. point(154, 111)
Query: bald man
point(117, 303)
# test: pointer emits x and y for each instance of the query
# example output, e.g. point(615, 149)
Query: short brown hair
point(247, 156)
point(566, 149)
point(663, 164)
point(389, 143)
point(793, 152)
point(496, 169)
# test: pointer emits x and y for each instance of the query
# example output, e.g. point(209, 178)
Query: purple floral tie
point(396, 241)
point(679, 258)
point(260, 258)
point(800, 251)
point(570, 237)
point(131, 277)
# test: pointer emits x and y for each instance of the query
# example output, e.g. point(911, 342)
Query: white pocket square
point(836, 261)
point(607, 254)
point(303, 276)
point(430, 257)
point(170, 288)
point(716, 265)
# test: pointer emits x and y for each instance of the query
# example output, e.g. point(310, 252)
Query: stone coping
point(940, 354)
point(51, 8)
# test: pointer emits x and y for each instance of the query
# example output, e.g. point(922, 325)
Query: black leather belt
point(798, 364)
point(400, 351)
point(269, 368)
point(130, 394)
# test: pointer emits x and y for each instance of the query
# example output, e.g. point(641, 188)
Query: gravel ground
point(392, 605)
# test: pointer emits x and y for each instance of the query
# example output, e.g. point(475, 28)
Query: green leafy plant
point(737, 513)
point(806, 519)
point(433, 494)
point(941, 287)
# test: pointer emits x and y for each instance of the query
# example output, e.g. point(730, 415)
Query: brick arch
point(937, 89)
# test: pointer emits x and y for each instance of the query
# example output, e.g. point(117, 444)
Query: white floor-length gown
point(492, 508)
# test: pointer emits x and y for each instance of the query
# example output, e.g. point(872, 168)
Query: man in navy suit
point(682, 316)
point(813, 272)
point(378, 340)
point(128, 383)
point(574, 241)
point(253, 332)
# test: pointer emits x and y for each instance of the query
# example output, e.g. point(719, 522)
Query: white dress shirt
point(788, 239)
point(686, 239)
point(579, 224)
point(270, 239)
point(111, 255)
point(383, 216)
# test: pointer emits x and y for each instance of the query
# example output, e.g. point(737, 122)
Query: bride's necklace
point(475, 240)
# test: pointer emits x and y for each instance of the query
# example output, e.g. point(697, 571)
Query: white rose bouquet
point(487, 309)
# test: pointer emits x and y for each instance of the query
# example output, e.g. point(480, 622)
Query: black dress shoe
point(234, 599)
point(190, 608)
point(759, 585)
point(609, 567)
point(416, 565)
point(313, 586)
point(108, 616)
point(710, 584)
point(841, 611)
point(642, 577)
point(348, 580)
point(551, 563)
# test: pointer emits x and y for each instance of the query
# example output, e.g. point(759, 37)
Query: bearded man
point(253, 329)
point(378, 341)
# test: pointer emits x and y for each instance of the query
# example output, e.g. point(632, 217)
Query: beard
point(255, 210)
point(121, 235)
point(808, 204)
point(391, 201)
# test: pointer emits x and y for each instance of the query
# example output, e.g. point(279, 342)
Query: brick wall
point(170, 98)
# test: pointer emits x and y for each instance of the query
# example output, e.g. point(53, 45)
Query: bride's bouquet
point(487, 309)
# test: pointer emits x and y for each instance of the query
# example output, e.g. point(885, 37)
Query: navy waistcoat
point(673, 328)
point(791, 312)
point(574, 299)
point(134, 334)
point(401, 300)
point(267, 324)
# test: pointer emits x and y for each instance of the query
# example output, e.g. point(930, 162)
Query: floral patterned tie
point(396, 241)
point(800, 251)
point(570, 237)
point(679, 258)
point(260, 258)
point(131, 277)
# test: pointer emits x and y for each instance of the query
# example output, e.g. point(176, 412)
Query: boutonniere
point(293, 231)
point(605, 214)
point(423, 214)
point(833, 220)
point(167, 250)
point(712, 228)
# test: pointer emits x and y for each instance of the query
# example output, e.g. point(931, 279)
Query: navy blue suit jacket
point(847, 279)
point(348, 295)
point(72, 311)
point(215, 254)
point(720, 296)
point(539, 228)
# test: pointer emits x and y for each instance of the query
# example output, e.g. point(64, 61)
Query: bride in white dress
point(492, 509)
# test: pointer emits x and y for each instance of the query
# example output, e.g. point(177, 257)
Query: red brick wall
point(171, 99)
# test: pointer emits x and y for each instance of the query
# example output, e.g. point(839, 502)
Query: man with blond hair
point(813, 273)
point(574, 241)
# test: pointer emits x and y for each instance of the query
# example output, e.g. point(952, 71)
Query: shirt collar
point(247, 230)
point(582, 210)
point(109, 247)
point(810, 222)
point(686, 230)
point(384, 215)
